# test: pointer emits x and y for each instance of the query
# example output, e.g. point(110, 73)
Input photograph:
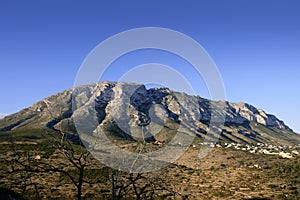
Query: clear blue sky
point(255, 44)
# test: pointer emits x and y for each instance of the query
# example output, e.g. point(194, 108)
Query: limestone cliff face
point(132, 106)
point(243, 112)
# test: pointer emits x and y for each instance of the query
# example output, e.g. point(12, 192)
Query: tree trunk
point(113, 191)
point(80, 181)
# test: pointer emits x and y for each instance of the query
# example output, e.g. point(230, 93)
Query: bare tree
point(140, 185)
point(76, 155)
point(25, 173)
point(152, 185)
point(29, 167)
point(79, 159)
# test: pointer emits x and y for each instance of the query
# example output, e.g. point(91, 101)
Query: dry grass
point(223, 174)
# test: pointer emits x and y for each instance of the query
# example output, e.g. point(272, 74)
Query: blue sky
point(255, 44)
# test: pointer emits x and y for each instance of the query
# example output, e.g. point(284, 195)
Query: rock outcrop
point(128, 107)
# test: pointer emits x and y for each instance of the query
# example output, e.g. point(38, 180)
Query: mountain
point(125, 110)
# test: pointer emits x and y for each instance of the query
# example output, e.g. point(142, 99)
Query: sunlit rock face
point(129, 107)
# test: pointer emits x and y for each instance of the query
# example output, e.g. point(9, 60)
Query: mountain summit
point(124, 109)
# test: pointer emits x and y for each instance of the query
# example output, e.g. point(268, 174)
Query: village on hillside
point(259, 148)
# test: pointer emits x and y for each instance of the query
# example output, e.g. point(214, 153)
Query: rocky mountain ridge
point(128, 107)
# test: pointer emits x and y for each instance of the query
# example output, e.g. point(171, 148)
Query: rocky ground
point(226, 173)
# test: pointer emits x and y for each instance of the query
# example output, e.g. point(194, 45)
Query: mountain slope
point(2, 115)
point(124, 110)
